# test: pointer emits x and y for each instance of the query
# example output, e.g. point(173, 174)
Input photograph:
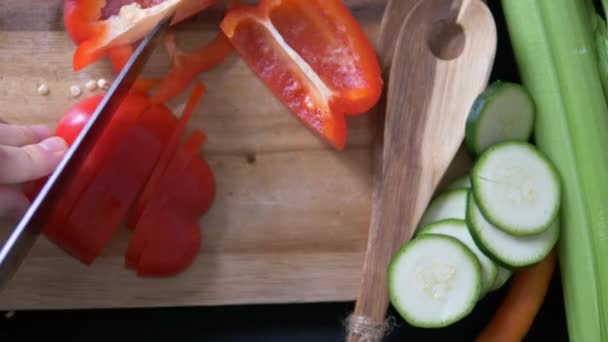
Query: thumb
point(30, 162)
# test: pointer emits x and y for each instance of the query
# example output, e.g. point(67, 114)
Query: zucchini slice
point(463, 182)
point(509, 250)
point(448, 205)
point(458, 230)
point(517, 188)
point(434, 281)
point(504, 111)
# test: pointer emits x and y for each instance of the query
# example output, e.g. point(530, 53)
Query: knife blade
point(23, 236)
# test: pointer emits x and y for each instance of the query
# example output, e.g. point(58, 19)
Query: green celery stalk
point(598, 25)
point(554, 46)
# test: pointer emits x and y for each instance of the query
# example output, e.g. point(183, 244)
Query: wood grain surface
point(291, 216)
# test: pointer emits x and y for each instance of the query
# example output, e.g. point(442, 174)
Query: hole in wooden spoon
point(446, 39)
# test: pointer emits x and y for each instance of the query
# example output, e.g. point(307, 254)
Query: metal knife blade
point(24, 234)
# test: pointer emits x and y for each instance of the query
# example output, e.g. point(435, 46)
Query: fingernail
point(41, 131)
point(54, 144)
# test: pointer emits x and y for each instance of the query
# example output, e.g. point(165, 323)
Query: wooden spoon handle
point(437, 70)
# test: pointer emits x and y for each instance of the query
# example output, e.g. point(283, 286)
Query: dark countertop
point(290, 322)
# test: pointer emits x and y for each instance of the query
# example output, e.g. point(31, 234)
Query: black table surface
point(285, 322)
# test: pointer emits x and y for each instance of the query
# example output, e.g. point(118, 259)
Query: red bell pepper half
point(313, 55)
point(99, 25)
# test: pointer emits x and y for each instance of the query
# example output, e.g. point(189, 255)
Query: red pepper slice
point(313, 56)
point(161, 249)
point(124, 118)
point(172, 184)
point(103, 204)
point(169, 151)
point(180, 160)
point(171, 249)
point(119, 56)
point(186, 66)
point(200, 193)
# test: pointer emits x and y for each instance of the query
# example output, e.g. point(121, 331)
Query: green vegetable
point(448, 205)
point(434, 281)
point(516, 187)
point(463, 182)
point(504, 111)
point(507, 249)
point(458, 230)
point(502, 276)
point(556, 54)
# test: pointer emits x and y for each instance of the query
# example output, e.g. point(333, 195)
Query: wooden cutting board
point(290, 220)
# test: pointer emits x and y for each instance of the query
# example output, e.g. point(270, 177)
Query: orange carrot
point(526, 295)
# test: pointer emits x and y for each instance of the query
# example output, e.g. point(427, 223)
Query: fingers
point(22, 164)
point(17, 135)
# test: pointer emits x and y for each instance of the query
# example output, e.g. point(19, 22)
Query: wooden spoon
point(443, 58)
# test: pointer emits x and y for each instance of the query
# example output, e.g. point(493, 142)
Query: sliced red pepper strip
point(186, 196)
point(119, 56)
point(191, 146)
point(169, 186)
point(193, 199)
point(171, 249)
point(186, 66)
point(313, 56)
point(103, 204)
point(198, 189)
point(169, 151)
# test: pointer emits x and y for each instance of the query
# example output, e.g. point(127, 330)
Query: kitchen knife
point(29, 227)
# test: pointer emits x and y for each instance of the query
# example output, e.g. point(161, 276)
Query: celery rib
point(554, 50)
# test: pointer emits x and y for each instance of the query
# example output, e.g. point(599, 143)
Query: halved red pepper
point(313, 55)
point(99, 25)
point(80, 18)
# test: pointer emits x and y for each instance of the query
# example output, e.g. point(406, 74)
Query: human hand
point(26, 153)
